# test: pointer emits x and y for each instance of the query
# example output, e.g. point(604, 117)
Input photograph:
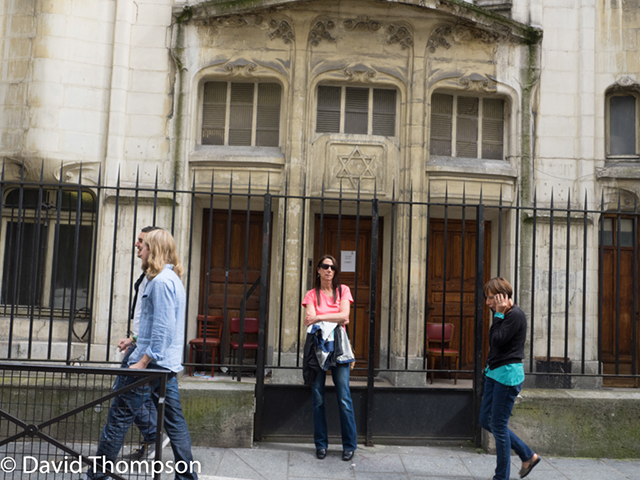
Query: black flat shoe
point(321, 453)
point(347, 455)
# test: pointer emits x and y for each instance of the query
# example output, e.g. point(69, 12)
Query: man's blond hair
point(162, 251)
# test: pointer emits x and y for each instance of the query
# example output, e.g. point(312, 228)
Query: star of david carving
point(356, 167)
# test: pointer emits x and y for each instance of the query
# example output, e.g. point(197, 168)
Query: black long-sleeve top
point(506, 338)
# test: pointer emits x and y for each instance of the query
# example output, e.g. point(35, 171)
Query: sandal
point(524, 471)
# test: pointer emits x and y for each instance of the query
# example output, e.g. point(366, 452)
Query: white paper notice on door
point(348, 261)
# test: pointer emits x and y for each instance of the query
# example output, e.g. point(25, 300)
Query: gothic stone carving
point(362, 23)
point(320, 31)
point(282, 30)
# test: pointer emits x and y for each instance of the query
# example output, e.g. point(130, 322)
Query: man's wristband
point(134, 339)
point(499, 315)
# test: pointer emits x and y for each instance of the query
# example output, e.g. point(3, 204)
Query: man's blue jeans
point(497, 403)
point(340, 375)
point(145, 416)
point(120, 419)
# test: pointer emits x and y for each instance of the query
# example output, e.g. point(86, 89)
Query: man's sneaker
point(146, 449)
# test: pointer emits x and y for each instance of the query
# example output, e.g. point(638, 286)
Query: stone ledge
point(577, 423)
point(219, 414)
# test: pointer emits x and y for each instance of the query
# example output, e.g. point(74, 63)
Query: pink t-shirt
point(326, 304)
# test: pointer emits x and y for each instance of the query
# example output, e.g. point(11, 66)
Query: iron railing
point(52, 420)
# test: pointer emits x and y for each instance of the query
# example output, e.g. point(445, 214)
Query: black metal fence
point(410, 259)
point(53, 416)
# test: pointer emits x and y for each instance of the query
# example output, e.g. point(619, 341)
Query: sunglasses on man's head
point(326, 266)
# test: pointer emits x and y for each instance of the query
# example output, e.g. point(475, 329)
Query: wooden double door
point(451, 283)
point(219, 288)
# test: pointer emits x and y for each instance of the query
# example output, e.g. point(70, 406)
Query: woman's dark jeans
point(497, 403)
point(340, 375)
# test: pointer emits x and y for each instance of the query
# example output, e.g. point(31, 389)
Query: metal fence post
point(477, 343)
point(372, 320)
point(260, 360)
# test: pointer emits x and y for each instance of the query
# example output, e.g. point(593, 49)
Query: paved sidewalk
point(279, 461)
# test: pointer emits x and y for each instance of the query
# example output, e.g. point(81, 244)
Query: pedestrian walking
point(504, 374)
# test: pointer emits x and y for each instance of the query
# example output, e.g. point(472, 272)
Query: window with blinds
point(241, 114)
point(623, 125)
point(475, 130)
point(358, 110)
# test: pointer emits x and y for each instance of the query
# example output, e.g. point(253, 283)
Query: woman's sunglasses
point(326, 266)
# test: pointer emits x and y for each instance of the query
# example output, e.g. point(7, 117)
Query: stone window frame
point(620, 92)
point(370, 111)
point(506, 124)
point(229, 81)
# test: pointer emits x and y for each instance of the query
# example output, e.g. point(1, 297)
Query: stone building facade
point(425, 100)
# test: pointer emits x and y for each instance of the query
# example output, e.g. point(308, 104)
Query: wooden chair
point(250, 327)
point(435, 339)
point(198, 345)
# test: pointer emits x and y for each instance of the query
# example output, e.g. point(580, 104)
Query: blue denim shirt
point(162, 322)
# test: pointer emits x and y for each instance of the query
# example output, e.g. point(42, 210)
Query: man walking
point(159, 346)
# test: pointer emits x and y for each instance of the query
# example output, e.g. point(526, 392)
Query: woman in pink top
point(331, 302)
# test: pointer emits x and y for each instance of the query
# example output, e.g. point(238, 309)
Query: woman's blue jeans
point(340, 374)
point(497, 403)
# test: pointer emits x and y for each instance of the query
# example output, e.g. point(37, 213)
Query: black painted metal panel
point(402, 413)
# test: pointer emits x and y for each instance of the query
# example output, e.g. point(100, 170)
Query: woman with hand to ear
point(504, 374)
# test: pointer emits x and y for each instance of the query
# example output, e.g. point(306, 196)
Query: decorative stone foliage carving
point(282, 30)
point(399, 34)
point(478, 83)
point(439, 39)
point(240, 68)
point(231, 21)
point(360, 75)
point(464, 33)
point(320, 31)
point(362, 23)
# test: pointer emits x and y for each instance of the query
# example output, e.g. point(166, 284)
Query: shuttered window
point(477, 126)
point(241, 114)
point(356, 110)
point(622, 125)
